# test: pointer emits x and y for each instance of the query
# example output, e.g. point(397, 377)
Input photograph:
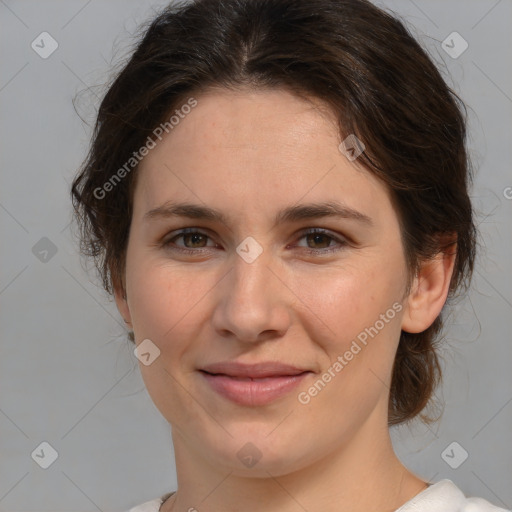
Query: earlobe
point(428, 292)
point(122, 303)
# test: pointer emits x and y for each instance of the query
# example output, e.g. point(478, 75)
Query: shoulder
point(148, 506)
point(151, 505)
point(445, 496)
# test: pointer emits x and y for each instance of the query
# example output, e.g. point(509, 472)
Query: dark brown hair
point(364, 64)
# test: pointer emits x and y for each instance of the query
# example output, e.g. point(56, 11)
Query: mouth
point(253, 385)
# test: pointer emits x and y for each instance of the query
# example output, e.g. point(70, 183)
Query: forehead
point(240, 112)
point(269, 123)
point(253, 149)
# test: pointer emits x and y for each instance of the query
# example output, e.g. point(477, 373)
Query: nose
point(252, 302)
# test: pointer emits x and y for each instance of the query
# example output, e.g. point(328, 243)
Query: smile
point(253, 385)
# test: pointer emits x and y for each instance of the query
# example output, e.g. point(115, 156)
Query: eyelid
point(341, 240)
point(187, 231)
point(323, 231)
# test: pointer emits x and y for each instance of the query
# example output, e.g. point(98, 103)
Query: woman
point(277, 197)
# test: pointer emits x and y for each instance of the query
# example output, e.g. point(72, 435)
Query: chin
point(252, 452)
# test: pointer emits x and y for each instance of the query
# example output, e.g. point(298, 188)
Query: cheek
point(162, 298)
point(169, 305)
point(165, 305)
point(363, 312)
point(167, 301)
point(361, 306)
point(363, 309)
point(344, 301)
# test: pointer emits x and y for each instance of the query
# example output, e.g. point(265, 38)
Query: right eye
point(194, 241)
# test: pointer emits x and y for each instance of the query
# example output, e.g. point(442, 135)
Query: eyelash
point(312, 231)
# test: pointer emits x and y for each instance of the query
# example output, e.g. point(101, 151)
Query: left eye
point(194, 241)
point(322, 238)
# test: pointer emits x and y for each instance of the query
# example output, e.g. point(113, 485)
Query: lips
point(253, 371)
point(255, 384)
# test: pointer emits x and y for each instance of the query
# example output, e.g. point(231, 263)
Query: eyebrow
point(290, 214)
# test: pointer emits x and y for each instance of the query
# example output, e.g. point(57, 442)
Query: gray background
point(69, 377)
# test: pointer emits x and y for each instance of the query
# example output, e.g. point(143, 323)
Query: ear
point(428, 291)
point(122, 302)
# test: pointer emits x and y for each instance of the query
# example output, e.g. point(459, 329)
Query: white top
point(443, 496)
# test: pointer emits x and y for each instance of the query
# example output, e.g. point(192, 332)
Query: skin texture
point(250, 154)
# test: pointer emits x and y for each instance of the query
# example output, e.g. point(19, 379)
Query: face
point(261, 271)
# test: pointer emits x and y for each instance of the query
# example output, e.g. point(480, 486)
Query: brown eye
point(319, 241)
point(192, 241)
point(195, 240)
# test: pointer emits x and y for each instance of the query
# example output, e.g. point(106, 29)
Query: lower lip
point(253, 392)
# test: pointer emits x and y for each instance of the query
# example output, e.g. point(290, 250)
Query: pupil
point(317, 237)
point(195, 238)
